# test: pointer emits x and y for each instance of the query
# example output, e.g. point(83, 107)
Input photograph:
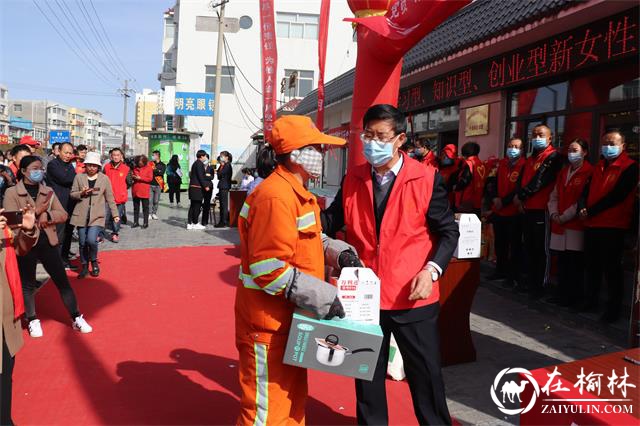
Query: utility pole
point(46, 125)
point(216, 94)
point(125, 95)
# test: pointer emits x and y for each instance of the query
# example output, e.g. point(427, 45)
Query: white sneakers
point(35, 329)
point(196, 227)
point(154, 216)
point(80, 324)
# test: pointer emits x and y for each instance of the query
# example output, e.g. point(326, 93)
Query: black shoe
point(123, 220)
point(145, 226)
point(135, 225)
point(84, 272)
point(610, 317)
point(70, 267)
point(221, 225)
point(587, 306)
point(95, 269)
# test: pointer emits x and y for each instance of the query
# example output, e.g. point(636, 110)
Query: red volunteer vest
point(431, 160)
point(405, 244)
point(507, 181)
point(603, 181)
point(472, 194)
point(569, 194)
point(539, 200)
point(448, 173)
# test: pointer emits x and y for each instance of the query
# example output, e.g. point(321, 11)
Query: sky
point(35, 62)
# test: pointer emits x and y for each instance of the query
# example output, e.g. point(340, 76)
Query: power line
point(63, 91)
point(115, 52)
point(77, 28)
point(75, 52)
point(233, 84)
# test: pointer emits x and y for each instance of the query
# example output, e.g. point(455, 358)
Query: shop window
point(226, 80)
point(540, 100)
point(625, 91)
point(299, 82)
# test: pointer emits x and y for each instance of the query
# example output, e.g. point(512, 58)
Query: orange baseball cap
point(293, 132)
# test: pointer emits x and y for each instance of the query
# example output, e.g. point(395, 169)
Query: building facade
point(4, 115)
point(148, 104)
point(189, 61)
point(570, 65)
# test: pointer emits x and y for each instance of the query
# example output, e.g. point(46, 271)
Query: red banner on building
point(269, 66)
point(322, 56)
point(4, 139)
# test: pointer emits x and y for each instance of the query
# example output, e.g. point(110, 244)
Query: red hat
point(293, 132)
point(451, 151)
point(28, 140)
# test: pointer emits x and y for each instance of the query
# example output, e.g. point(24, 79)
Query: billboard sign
point(59, 136)
point(194, 103)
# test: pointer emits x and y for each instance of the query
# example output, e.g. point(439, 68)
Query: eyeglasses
point(368, 138)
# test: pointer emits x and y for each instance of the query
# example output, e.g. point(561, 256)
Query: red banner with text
point(322, 57)
point(269, 66)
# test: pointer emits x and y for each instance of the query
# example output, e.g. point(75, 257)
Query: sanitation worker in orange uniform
point(283, 253)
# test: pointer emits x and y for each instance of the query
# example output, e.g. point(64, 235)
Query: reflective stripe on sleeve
point(262, 384)
point(279, 283)
point(265, 267)
point(305, 221)
point(244, 212)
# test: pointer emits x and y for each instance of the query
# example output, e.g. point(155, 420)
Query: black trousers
point(145, 210)
point(65, 235)
point(6, 385)
point(194, 211)
point(570, 276)
point(223, 196)
point(508, 244)
point(174, 188)
point(603, 249)
point(416, 332)
point(536, 249)
point(52, 263)
point(206, 206)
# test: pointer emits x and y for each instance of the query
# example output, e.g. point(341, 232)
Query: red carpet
point(162, 350)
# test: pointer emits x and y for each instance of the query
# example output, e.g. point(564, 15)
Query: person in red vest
point(141, 190)
point(608, 209)
point(80, 156)
point(506, 217)
point(422, 152)
point(117, 171)
point(538, 179)
point(470, 186)
point(398, 219)
point(567, 230)
point(449, 166)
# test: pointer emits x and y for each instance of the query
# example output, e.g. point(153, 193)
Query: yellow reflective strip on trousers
point(262, 384)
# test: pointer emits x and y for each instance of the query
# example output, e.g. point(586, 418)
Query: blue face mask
point(513, 153)
point(610, 152)
point(446, 161)
point(539, 144)
point(574, 157)
point(36, 175)
point(378, 153)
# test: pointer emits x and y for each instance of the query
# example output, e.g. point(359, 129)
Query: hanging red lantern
point(365, 8)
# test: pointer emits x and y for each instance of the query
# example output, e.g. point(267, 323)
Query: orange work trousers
point(273, 393)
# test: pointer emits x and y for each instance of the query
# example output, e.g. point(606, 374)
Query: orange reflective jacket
point(280, 230)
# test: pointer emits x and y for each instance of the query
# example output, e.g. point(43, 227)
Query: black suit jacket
point(60, 176)
point(224, 176)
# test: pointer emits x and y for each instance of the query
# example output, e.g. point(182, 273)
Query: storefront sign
point(193, 103)
point(600, 42)
point(59, 136)
point(269, 66)
point(477, 121)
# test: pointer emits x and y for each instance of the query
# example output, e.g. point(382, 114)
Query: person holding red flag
point(538, 180)
point(507, 218)
point(567, 230)
point(608, 208)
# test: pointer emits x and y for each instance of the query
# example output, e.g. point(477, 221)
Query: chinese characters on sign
point(591, 383)
point(59, 136)
point(269, 66)
point(193, 103)
point(600, 42)
point(477, 121)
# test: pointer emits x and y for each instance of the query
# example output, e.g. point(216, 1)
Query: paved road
point(507, 331)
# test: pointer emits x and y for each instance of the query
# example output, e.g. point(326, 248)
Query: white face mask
point(310, 160)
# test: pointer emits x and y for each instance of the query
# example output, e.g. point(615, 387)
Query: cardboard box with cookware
point(346, 346)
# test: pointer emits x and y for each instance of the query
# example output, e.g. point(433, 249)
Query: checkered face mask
point(310, 160)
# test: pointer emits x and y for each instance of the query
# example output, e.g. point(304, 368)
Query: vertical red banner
point(269, 66)
point(323, 33)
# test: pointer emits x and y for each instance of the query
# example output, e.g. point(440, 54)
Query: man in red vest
point(538, 179)
point(470, 186)
point(449, 168)
point(422, 152)
point(117, 171)
point(608, 208)
point(507, 218)
point(397, 217)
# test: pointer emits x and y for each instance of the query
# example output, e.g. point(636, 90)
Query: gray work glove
point(348, 259)
point(310, 293)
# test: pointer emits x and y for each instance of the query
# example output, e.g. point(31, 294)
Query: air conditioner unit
point(158, 122)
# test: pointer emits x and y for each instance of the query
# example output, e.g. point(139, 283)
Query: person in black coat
point(197, 188)
point(209, 175)
point(60, 176)
point(225, 172)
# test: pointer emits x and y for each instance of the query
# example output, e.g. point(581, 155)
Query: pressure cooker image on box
point(330, 353)
point(337, 346)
